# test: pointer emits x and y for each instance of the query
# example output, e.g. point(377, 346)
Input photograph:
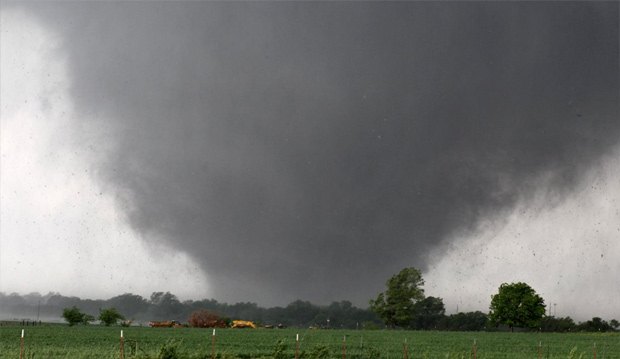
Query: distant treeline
point(166, 306)
point(337, 315)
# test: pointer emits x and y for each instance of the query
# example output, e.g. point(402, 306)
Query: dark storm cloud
point(310, 150)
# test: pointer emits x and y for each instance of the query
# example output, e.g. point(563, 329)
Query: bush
point(73, 316)
point(170, 350)
point(279, 350)
point(207, 319)
point(319, 351)
point(370, 326)
point(110, 316)
point(372, 353)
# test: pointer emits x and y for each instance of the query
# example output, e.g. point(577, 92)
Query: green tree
point(129, 304)
point(595, 325)
point(428, 312)
point(301, 312)
point(516, 305)
point(73, 316)
point(396, 305)
point(110, 316)
point(470, 321)
point(559, 325)
point(165, 305)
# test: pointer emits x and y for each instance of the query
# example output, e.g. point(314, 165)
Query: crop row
point(142, 342)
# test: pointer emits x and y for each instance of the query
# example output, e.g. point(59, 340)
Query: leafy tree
point(428, 312)
point(244, 310)
point(92, 305)
point(206, 304)
point(130, 304)
point(73, 316)
point(470, 321)
point(614, 324)
point(57, 300)
point(110, 316)
point(165, 305)
point(558, 325)
point(595, 325)
point(516, 305)
point(396, 305)
point(340, 314)
point(300, 312)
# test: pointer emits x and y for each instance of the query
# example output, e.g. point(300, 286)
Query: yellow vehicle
point(242, 324)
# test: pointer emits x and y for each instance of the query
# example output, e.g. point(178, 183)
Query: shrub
point(207, 319)
point(110, 316)
point(279, 350)
point(170, 350)
point(73, 316)
point(372, 353)
point(319, 351)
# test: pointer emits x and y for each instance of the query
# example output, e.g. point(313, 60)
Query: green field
point(59, 341)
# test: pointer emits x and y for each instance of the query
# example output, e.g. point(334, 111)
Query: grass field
point(59, 341)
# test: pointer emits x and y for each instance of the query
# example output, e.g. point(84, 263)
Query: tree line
point(516, 305)
point(403, 305)
point(165, 306)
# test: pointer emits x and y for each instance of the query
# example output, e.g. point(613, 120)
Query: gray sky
point(270, 151)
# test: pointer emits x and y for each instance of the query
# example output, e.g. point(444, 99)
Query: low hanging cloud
point(566, 249)
point(312, 150)
point(60, 230)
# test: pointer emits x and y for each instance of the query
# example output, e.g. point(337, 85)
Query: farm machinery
point(242, 324)
point(169, 324)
